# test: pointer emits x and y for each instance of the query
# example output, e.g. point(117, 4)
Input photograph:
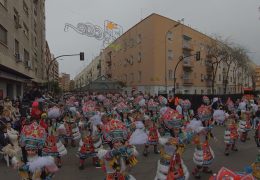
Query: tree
point(215, 54)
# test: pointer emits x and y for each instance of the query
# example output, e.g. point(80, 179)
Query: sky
point(236, 20)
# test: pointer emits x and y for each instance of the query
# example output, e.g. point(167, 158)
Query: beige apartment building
point(22, 44)
point(52, 65)
point(145, 56)
point(64, 82)
point(90, 73)
point(148, 55)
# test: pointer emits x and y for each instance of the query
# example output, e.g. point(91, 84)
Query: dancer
point(121, 156)
point(170, 165)
point(231, 135)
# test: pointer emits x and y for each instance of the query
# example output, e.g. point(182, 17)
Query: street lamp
point(166, 34)
point(81, 54)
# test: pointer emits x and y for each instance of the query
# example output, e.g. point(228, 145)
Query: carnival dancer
point(231, 135)
point(186, 111)
point(203, 155)
point(53, 146)
point(151, 124)
point(244, 125)
point(256, 167)
point(170, 165)
point(33, 166)
point(257, 135)
point(72, 130)
point(121, 155)
point(91, 141)
point(219, 116)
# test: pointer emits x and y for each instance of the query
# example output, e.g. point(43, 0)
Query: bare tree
point(215, 54)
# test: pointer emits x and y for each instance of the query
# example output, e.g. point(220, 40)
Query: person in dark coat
point(4, 140)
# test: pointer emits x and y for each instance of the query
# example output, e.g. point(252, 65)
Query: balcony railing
point(187, 63)
point(187, 46)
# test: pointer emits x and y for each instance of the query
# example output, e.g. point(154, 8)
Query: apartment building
point(22, 44)
point(53, 66)
point(144, 58)
point(64, 82)
point(90, 73)
point(149, 52)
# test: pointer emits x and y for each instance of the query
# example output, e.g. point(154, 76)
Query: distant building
point(64, 81)
point(89, 73)
point(257, 78)
point(53, 66)
point(22, 44)
point(72, 85)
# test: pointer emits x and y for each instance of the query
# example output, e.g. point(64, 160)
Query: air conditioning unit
point(29, 64)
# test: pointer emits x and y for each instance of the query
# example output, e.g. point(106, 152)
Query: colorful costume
point(203, 155)
point(121, 155)
point(34, 167)
point(151, 126)
point(231, 135)
point(89, 144)
point(244, 125)
point(170, 165)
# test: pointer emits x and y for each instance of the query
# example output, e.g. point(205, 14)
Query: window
point(35, 26)
point(3, 35)
point(35, 41)
point(219, 77)
point(170, 54)
point(201, 77)
point(139, 76)
point(26, 30)
point(26, 55)
point(132, 77)
point(139, 57)
point(16, 47)
point(170, 75)
point(195, 91)
point(139, 39)
point(202, 92)
point(170, 36)
point(3, 3)
point(16, 19)
point(25, 8)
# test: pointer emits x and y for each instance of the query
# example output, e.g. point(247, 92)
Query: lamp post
point(81, 54)
point(166, 34)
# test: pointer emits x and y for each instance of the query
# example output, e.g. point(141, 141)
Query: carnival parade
point(112, 131)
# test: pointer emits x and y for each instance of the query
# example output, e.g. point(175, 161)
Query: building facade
point(22, 44)
point(148, 53)
point(90, 73)
point(53, 66)
point(257, 78)
point(64, 82)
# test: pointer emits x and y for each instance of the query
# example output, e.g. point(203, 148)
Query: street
point(146, 167)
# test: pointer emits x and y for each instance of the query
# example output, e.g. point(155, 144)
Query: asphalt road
point(146, 167)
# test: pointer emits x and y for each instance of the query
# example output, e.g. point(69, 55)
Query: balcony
point(187, 65)
point(187, 82)
point(187, 46)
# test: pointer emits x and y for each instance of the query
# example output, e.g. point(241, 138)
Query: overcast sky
point(238, 20)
